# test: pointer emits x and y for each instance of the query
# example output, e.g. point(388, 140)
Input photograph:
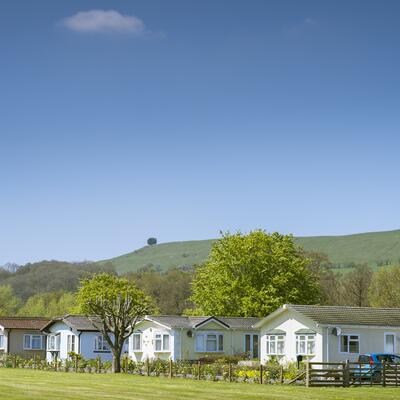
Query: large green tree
point(114, 305)
point(252, 275)
point(9, 303)
point(49, 304)
point(384, 289)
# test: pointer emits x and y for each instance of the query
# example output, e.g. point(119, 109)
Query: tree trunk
point(116, 364)
point(116, 361)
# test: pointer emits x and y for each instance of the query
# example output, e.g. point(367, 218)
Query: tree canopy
point(252, 275)
point(384, 289)
point(114, 305)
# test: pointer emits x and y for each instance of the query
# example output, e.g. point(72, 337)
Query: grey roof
point(177, 321)
point(341, 315)
point(77, 322)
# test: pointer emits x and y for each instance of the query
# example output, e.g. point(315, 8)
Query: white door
point(389, 343)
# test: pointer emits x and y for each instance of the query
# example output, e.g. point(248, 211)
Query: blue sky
point(122, 120)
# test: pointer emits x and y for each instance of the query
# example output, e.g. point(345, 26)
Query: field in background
point(375, 249)
point(19, 384)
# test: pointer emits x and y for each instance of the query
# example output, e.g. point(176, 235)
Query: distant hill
point(375, 249)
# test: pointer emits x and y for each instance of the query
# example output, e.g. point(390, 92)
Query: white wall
point(148, 329)
point(290, 322)
point(86, 340)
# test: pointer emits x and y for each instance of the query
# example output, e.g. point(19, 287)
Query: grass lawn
point(28, 384)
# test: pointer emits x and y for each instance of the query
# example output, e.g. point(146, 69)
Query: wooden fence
point(351, 374)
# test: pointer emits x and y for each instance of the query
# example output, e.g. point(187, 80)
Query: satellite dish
point(337, 331)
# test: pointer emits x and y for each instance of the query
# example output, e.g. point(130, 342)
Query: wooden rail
point(351, 374)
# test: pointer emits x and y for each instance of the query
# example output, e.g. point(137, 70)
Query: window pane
point(255, 346)
point(221, 343)
point(199, 342)
point(1, 341)
point(353, 346)
point(389, 344)
point(302, 347)
point(166, 342)
point(211, 343)
point(311, 347)
point(36, 342)
point(27, 341)
point(136, 342)
point(247, 340)
point(272, 347)
point(158, 342)
point(344, 344)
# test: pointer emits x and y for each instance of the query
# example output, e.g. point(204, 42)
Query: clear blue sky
point(177, 119)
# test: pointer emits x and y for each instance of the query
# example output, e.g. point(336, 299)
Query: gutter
point(79, 342)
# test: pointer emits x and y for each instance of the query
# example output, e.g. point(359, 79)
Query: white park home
point(190, 338)
point(75, 333)
point(328, 333)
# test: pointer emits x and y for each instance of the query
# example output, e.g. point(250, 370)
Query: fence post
point(98, 364)
point(170, 369)
point(55, 362)
point(34, 361)
point(384, 373)
point(147, 367)
point(397, 383)
point(346, 374)
point(261, 374)
point(15, 361)
point(281, 375)
point(307, 373)
point(198, 370)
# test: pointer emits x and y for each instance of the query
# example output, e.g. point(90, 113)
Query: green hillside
point(375, 248)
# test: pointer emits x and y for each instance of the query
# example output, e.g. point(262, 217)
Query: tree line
point(244, 275)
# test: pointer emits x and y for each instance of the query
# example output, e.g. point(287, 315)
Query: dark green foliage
point(170, 290)
point(50, 276)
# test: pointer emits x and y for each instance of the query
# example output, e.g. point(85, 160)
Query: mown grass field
point(28, 384)
point(370, 248)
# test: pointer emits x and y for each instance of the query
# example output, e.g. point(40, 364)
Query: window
point(305, 344)
point(350, 344)
point(251, 345)
point(136, 341)
point(71, 344)
point(161, 342)
point(53, 342)
point(275, 344)
point(390, 343)
point(209, 342)
point(1, 341)
point(100, 344)
point(34, 342)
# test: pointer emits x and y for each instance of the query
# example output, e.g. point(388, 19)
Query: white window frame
point(163, 348)
point(140, 341)
point(71, 343)
point(348, 343)
point(394, 341)
point(251, 351)
point(31, 335)
point(204, 335)
point(2, 341)
point(56, 337)
point(101, 345)
point(276, 340)
point(309, 337)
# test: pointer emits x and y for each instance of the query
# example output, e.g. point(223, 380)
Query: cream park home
point(328, 333)
point(192, 338)
point(23, 336)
